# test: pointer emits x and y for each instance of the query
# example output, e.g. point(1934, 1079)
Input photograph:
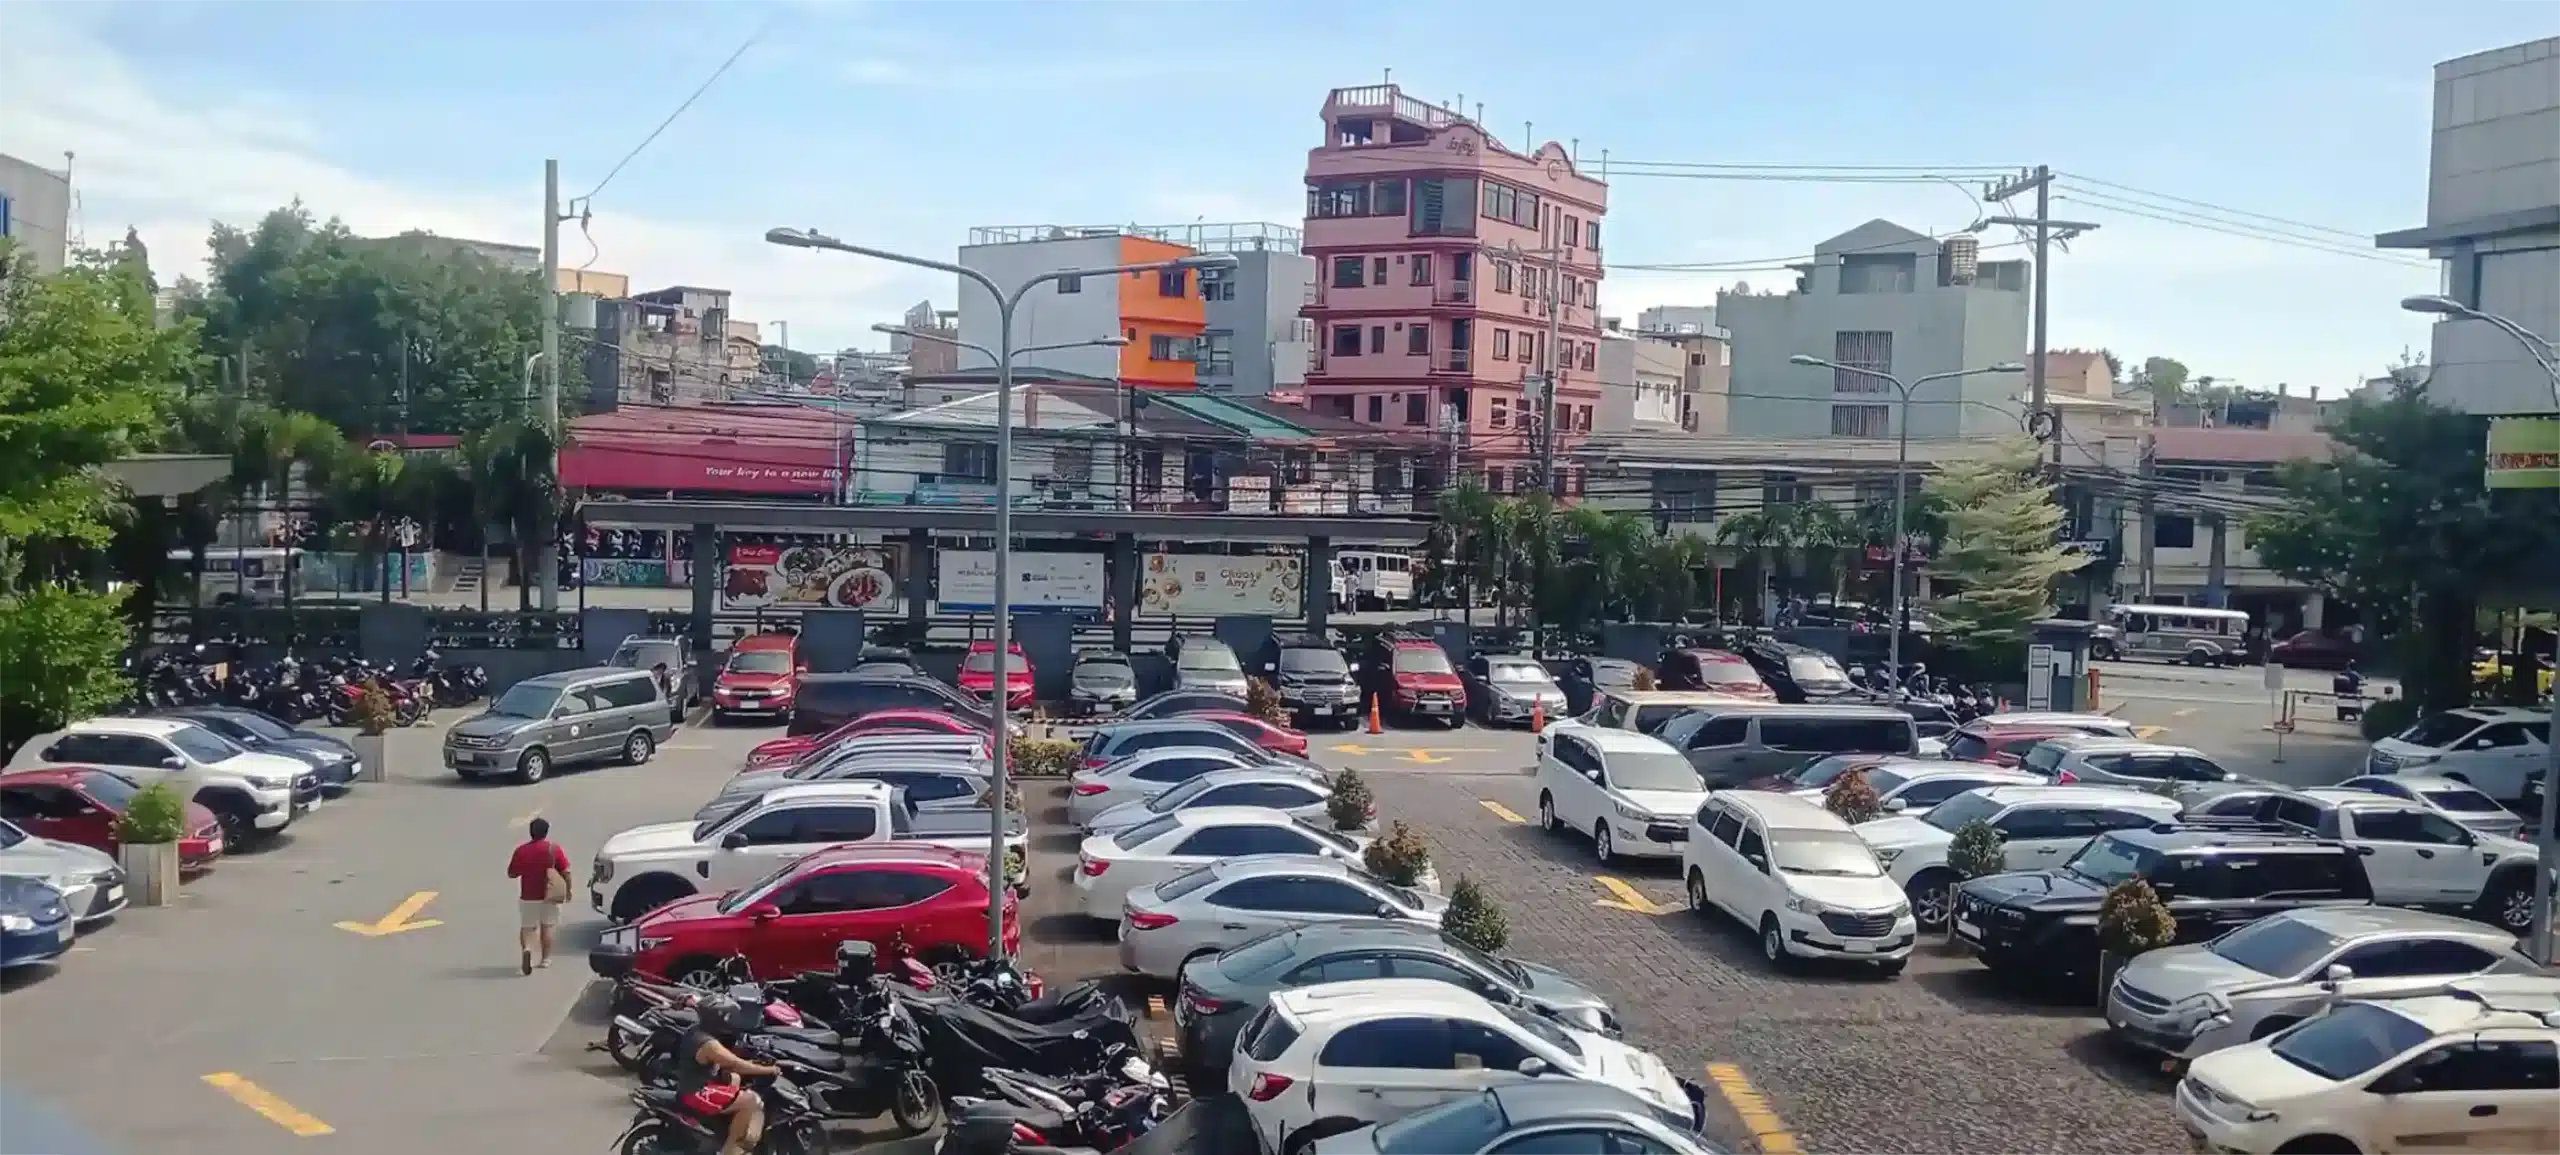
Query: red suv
point(81, 806)
point(1410, 676)
point(1715, 672)
point(978, 675)
point(761, 677)
point(929, 898)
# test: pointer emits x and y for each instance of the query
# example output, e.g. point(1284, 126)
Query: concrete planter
point(374, 750)
point(150, 872)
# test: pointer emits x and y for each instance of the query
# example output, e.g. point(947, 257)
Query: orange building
point(1159, 313)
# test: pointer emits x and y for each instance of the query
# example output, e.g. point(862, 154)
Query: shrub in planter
point(1400, 857)
point(1644, 679)
point(1473, 919)
point(2384, 717)
point(374, 711)
point(1262, 700)
point(1351, 805)
point(1043, 757)
point(1977, 850)
point(155, 816)
point(1853, 798)
point(2132, 919)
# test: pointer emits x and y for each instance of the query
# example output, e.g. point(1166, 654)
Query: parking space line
point(1503, 812)
point(265, 1102)
point(1628, 897)
point(2147, 733)
point(1753, 1106)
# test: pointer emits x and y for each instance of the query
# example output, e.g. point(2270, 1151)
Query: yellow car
point(2486, 670)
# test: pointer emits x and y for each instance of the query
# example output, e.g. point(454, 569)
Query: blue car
point(35, 926)
point(332, 761)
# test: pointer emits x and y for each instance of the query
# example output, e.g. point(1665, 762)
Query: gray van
point(563, 719)
point(1734, 744)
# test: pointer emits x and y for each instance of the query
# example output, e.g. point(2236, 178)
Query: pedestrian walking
point(541, 871)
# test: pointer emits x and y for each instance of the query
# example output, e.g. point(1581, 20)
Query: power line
point(704, 87)
point(2082, 178)
point(2233, 229)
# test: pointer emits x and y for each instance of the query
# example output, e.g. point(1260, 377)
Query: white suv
point(2471, 1066)
point(2039, 827)
point(1322, 1060)
point(1631, 793)
point(1799, 875)
point(254, 795)
point(2497, 749)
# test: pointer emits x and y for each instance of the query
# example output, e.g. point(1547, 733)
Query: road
point(355, 984)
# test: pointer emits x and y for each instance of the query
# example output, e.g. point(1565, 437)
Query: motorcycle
point(964, 1040)
point(663, 1125)
point(878, 1070)
point(1104, 1110)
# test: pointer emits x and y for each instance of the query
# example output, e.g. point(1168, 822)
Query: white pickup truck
point(2415, 856)
point(646, 867)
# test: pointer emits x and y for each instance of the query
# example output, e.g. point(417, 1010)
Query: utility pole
point(2044, 231)
point(1547, 411)
point(546, 560)
point(785, 326)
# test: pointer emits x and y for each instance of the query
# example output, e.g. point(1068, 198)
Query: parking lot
point(356, 985)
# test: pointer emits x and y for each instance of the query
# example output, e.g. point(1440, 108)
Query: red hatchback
point(978, 675)
point(876, 722)
point(1277, 739)
point(929, 898)
point(1714, 671)
point(761, 678)
point(81, 806)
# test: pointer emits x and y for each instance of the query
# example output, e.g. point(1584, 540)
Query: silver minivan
point(1732, 745)
point(563, 719)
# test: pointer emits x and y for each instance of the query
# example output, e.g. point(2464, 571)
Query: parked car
point(1523, 1117)
point(831, 700)
point(1313, 679)
point(2451, 797)
point(1584, 679)
point(671, 659)
point(926, 899)
point(886, 662)
point(1101, 682)
point(1799, 877)
point(1738, 742)
point(2004, 739)
point(2092, 761)
point(1648, 711)
point(1119, 740)
point(1411, 678)
point(1097, 790)
point(2500, 750)
point(90, 883)
point(1276, 739)
point(35, 925)
point(2039, 826)
point(1177, 703)
point(1290, 792)
point(646, 867)
point(1631, 793)
point(253, 795)
point(1168, 926)
point(1512, 688)
point(1204, 663)
point(570, 718)
point(2313, 650)
point(2415, 856)
point(1800, 674)
point(1310, 1064)
point(953, 784)
point(2187, 1001)
point(2042, 923)
point(977, 676)
point(1712, 671)
point(1214, 996)
point(334, 761)
point(1919, 784)
point(1818, 773)
point(1109, 866)
point(761, 678)
point(84, 805)
point(894, 721)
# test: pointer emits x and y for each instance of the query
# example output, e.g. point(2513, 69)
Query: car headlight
point(1632, 814)
point(649, 944)
point(265, 782)
point(1802, 905)
point(604, 870)
point(16, 922)
point(1886, 855)
point(1902, 910)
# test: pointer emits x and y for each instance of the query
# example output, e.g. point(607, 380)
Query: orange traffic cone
point(1537, 717)
point(1377, 725)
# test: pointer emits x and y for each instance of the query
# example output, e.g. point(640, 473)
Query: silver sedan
point(1286, 791)
point(1229, 902)
point(91, 883)
point(932, 783)
point(1141, 776)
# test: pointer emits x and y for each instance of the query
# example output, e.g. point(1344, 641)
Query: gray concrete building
point(1256, 342)
point(2493, 218)
point(1880, 297)
point(35, 211)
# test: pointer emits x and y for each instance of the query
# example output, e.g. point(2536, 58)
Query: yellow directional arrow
point(398, 921)
point(1628, 898)
point(1354, 748)
point(1431, 755)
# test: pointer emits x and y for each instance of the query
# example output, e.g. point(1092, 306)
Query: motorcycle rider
point(708, 1072)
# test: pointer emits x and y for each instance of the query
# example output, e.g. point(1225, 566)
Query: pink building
point(1424, 317)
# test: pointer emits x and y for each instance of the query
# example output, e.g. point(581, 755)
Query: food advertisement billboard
point(843, 577)
point(1212, 585)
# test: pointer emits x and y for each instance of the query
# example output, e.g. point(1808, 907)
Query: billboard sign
point(1213, 585)
point(2524, 453)
point(844, 577)
point(965, 580)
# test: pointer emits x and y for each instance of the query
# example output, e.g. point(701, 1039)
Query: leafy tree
point(515, 487)
point(1977, 850)
point(792, 364)
point(2000, 544)
point(1853, 798)
point(59, 654)
point(1474, 919)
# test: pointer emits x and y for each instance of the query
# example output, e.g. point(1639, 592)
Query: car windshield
point(746, 896)
point(1209, 659)
point(1727, 672)
point(984, 662)
point(1952, 814)
point(2111, 860)
point(260, 725)
point(2279, 946)
point(2460, 799)
point(1145, 832)
point(526, 700)
point(631, 657)
point(1492, 962)
point(1468, 1124)
point(1886, 781)
point(1529, 672)
point(1186, 882)
point(1180, 796)
point(1420, 660)
point(204, 745)
point(1325, 836)
point(2439, 730)
point(1104, 670)
point(1311, 660)
point(1651, 770)
point(10, 835)
point(1650, 719)
point(1546, 1032)
point(2349, 1041)
point(1821, 771)
point(1816, 670)
point(1830, 854)
point(1261, 955)
point(702, 830)
point(760, 662)
point(111, 791)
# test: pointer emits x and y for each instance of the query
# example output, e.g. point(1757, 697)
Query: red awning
point(797, 451)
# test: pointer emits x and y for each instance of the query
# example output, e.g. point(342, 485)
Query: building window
point(1497, 479)
point(1338, 199)
point(1068, 285)
point(1072, 463)
point(1869, 349)
point(1587, 350)
point(1422, 268)
point(1876, 272)
point(1346, 273)
point(1443, 207)
point(1215, 285)
point(1377, 338)
point(1416, 408)
point(1502, 276)
point(1163, 348)
point(1346, 340)
point(1377, 408)
point(1386, 197)
point(1502, 202)
point(1386, 476)
point(1591, 234)
point(1502, 344)
point(969, 461)
point(1417, 339)
point(1582, 418)
point(1781, 489)
point(1499, 416)
point(1462, 334)
point(1218, 354)
point(1173, 283)
point(1377, 270)
point(1462, 268)
point(1572, 229)
point(2173, 531)
point(1860, 420)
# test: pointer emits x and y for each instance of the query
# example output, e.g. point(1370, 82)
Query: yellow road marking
point(1503, 812)
point(265, 1102)
point(1352, 748)
point(1753, 1106)
point(2147, 733)
point(1628, 898)
point(398, 921)
point(2182, 713)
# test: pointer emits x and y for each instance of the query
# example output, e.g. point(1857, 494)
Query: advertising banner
point(1210, 585)
point(844, 577)
point(966, 580)
point(2524, 453)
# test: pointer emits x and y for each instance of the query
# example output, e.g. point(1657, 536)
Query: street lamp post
point(2547, 356)
point(1901, 464)
point(1004, 352)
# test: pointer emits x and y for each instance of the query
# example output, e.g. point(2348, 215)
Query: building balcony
point(1454, 293)
point(1389, 100)
point(1451, 364)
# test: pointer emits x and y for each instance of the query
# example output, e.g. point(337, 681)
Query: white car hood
point(2505, 847)
point(274, 766)
point(1674, 804)
point(1858, 894)
point(657, 838)
point(1900, 832)
point(2255, 1075)
point(1607, 1060)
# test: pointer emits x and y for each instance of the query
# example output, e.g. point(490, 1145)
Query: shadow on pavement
point(1981, 991)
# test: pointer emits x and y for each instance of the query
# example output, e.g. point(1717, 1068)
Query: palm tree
point(1666, 575)
point(514, 487)
point(1762, 536)
point(1827, 535)
point(1610, 546)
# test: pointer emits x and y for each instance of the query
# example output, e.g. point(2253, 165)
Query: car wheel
point(1547, 813)
point(640, 898)
point(239, 827)
point(2511, 906)
point(638, 748)
point(534, 766)
point(1697, 891)
point(1603, 847)
point(1773, 942)
point(1932, 895)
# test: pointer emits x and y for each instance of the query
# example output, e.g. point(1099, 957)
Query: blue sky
point(902, 125)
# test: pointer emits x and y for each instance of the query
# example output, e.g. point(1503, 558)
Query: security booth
point(2058, 665)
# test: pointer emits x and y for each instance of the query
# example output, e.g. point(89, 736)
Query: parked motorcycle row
point(300, 691)
point(1960, 703)
point(1012, 1069)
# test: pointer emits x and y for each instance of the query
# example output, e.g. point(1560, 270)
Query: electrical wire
point(2350, 234)
point(2234, 229)
point(704, 87)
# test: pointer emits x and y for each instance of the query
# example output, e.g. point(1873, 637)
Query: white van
point(2194, 635)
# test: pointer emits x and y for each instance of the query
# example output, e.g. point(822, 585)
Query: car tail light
point(1093, 763)
point(1089, 789)
point(1092, 867)
point(1267, 1087)
point(1201, 1004)
point(1149, 919)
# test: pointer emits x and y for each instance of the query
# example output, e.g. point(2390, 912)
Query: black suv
point(2214, 876)
point(1313, 678)
point(1799, 674)
point(830, 700)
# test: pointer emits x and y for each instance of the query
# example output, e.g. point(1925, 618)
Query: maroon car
point(2313, 650)
point(83, 806)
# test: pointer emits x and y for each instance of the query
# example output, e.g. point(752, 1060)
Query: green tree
point(1761, 536)
point(59, 654)
point(515, 488)
point(1999, 545)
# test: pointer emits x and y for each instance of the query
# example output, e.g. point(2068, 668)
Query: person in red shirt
point(532, 866)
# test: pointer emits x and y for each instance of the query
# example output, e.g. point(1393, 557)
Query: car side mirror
point(173, 762)
point(1758, 861)
point(1386, 911)
point(735, 841)
point(2337, 974)
point(1895, 806)
point(764, 912)
point(1593, 775)
point(1533, 1066)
